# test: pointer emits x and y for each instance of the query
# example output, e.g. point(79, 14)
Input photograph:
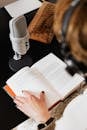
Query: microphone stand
point(20, 58)
point(19, 61)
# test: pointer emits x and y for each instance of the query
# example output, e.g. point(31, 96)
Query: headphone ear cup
point(65, 23)
point(64, 48)
point(72, 67)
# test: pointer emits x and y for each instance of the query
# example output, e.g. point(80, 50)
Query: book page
point(51, 67)
point(75, 115)
point(48, 63)
point(33, 81)
point(71, 85)
point(54, 70)
point(21, 7)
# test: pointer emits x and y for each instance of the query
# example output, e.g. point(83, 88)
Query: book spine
point(9, 91)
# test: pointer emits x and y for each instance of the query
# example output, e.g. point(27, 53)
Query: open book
point(49, 75)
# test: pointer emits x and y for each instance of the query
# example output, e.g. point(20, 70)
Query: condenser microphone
point(19, 38)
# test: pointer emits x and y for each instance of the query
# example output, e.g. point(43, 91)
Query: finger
point(17, 102)
point(26, 93)
point(42, 96)
point(33, 97)
point(30, 96)
point(20, 99)
point(23, 110)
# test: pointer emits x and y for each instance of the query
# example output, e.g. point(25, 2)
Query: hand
point(34, 107)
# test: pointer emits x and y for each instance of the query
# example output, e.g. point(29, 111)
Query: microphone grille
point(18, 27)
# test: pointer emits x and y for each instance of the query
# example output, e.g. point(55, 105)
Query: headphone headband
point(67, 16)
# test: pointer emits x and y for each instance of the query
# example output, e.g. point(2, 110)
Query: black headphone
point(66, 18)
point(72, 66)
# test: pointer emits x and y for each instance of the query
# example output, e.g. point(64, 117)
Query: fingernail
point(43, 92)
point(22, 91)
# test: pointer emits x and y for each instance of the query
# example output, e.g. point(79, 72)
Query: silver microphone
point(19, 36)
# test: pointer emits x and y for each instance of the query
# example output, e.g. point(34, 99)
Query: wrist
point(45, 124)
point(44, 118)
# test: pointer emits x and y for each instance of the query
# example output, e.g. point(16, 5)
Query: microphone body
point(19, 36)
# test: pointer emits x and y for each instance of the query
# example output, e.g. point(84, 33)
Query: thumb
point(42, 96)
